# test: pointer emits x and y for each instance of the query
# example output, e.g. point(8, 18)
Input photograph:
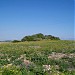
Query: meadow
point(46, 57)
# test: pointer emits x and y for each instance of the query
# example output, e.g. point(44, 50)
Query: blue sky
point(26, 17)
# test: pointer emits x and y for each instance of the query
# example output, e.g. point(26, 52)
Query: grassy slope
point(58, 46)
point(13, 51)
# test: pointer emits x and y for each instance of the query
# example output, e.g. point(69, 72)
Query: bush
point(38, 37)
point(11, 70)
point(15, 41)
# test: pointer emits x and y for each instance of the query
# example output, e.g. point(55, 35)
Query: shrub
point(15, 41)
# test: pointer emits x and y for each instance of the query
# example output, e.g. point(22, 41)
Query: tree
point(38, 37)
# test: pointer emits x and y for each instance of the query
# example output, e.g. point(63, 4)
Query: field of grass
point(47, 57)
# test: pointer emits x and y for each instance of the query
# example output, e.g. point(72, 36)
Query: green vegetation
point(45, 57)
point(14, 41)
point(38, 37)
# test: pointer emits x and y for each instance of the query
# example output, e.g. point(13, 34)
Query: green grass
point(38, 52)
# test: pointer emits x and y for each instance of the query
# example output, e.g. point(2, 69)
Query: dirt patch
point(60, 55)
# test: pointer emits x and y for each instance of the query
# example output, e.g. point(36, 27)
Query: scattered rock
point(56, 55)
point(47, 67)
